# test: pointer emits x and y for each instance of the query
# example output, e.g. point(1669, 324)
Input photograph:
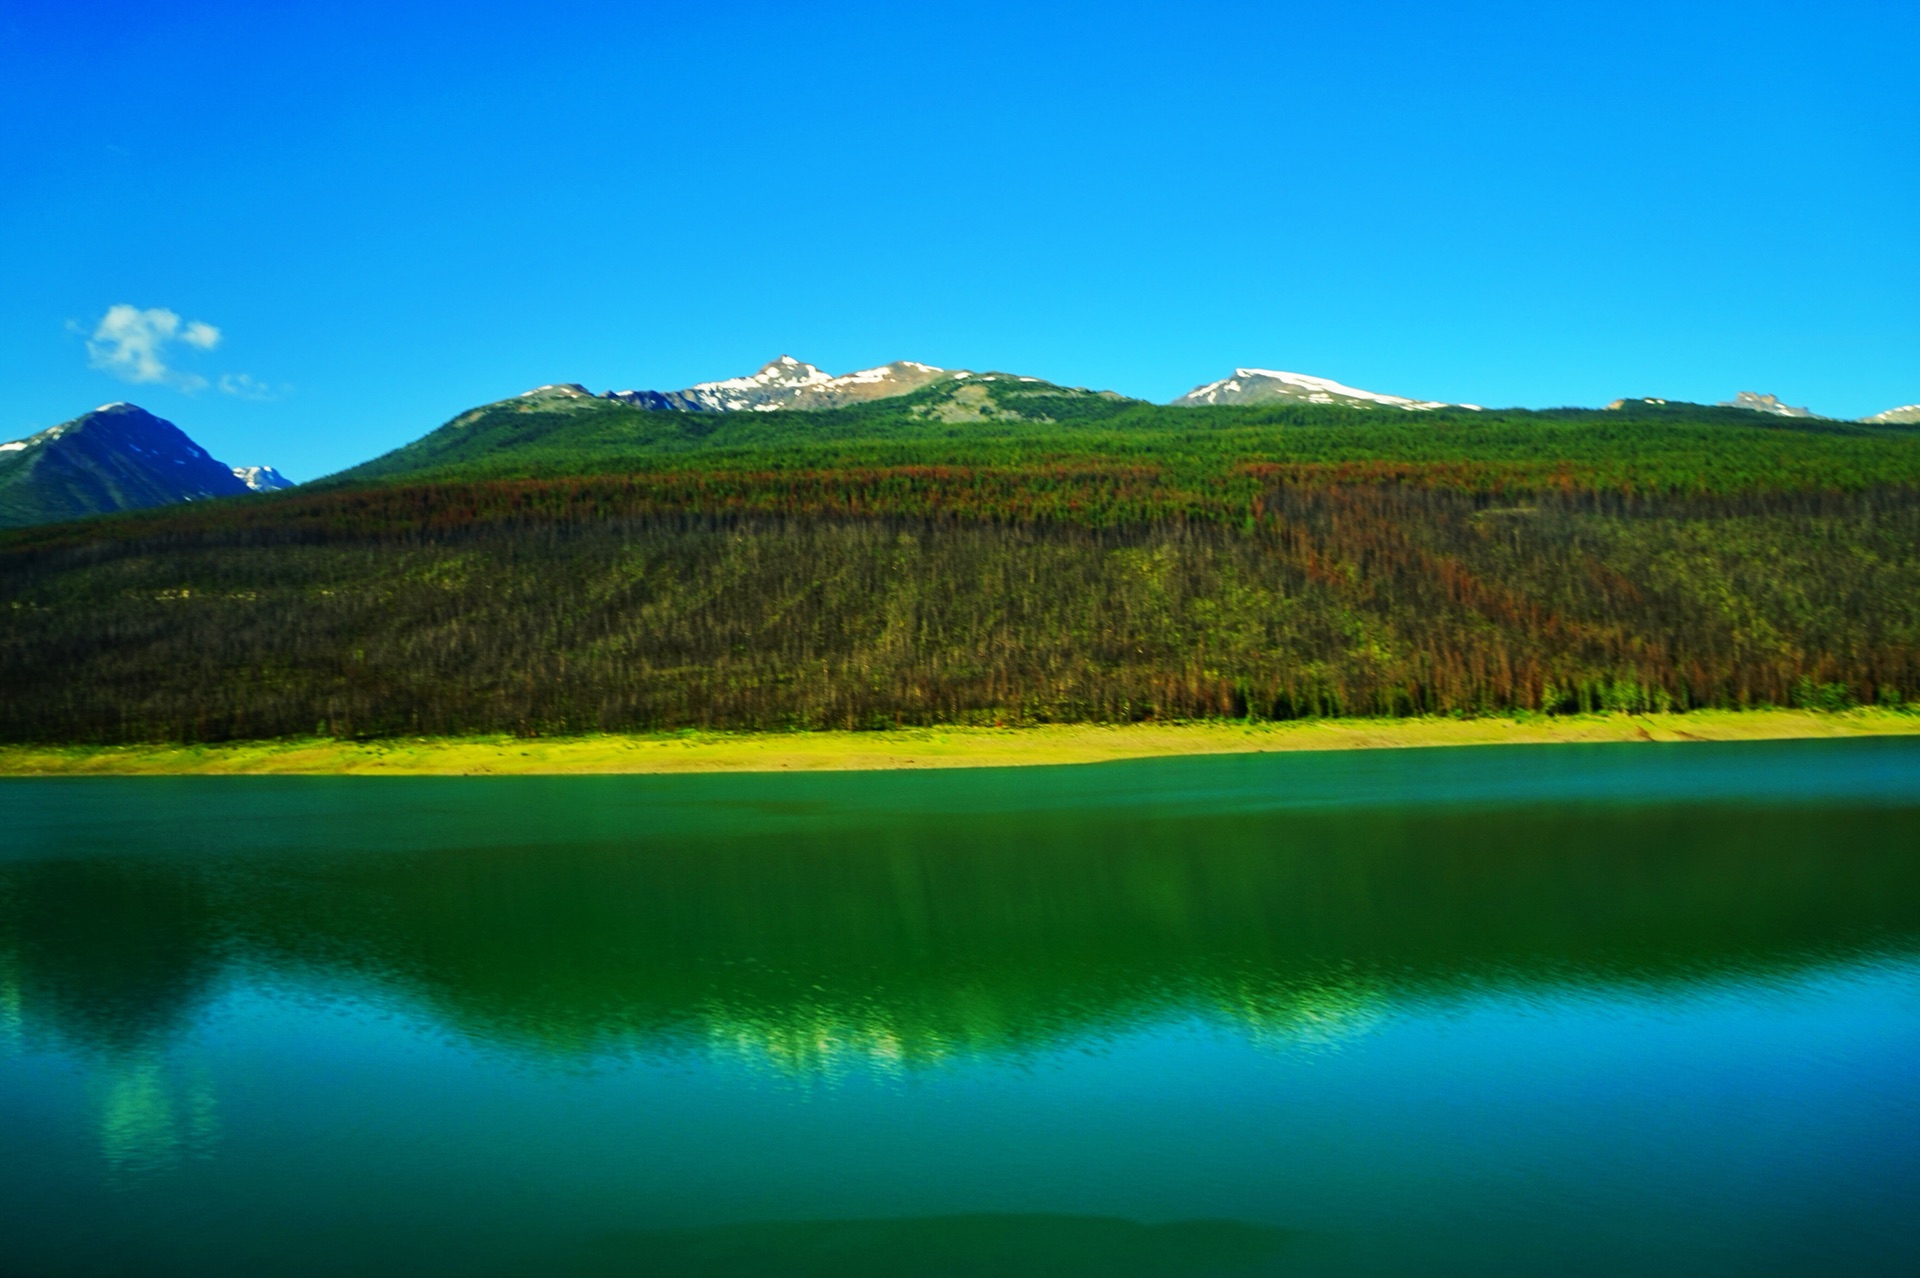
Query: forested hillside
point(1004, 420)
point(611, 568)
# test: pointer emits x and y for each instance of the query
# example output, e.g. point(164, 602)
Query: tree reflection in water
point(896, 940)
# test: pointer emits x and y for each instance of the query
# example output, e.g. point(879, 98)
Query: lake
point(1505, 1010)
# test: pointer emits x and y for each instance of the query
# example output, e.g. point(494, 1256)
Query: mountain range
point(120, 457)
point(788, 383)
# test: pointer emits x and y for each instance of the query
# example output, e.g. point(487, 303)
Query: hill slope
point(567, 429)
point(118, 457)
point(988, 549)
point(578, 606)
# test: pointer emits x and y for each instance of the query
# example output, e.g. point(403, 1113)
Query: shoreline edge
point(903, 748)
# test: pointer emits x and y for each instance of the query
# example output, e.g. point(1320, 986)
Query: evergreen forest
point(1044, 557)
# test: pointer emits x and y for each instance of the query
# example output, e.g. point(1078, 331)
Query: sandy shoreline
point(917, 747)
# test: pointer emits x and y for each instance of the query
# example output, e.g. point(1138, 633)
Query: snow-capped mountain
point(262, 479)
point(1265, 385)
point(788, 383)
point(118, 457)
point(1766, 404)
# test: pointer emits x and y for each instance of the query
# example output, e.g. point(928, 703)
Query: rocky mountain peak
point(1906, 415)
point(262, 479)
point(1758, 403)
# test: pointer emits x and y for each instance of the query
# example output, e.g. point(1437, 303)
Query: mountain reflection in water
point(592, 917)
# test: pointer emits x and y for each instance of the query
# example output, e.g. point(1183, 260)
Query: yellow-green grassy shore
point(918, 747)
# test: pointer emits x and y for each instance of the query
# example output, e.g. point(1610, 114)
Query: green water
point(1607, 1010)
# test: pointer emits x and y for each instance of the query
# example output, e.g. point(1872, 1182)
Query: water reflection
point(11, 1021)
point(884, 939)
point(150, 1119)
point(1456, 1014)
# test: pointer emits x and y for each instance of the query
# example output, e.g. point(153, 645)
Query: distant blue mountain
point(118, 457)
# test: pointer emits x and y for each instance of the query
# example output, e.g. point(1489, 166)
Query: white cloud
point(202, 334)
point(132, 345)
point(243, 386)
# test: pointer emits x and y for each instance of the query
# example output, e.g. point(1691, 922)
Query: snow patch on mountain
point(790, 383)
point(784, 376)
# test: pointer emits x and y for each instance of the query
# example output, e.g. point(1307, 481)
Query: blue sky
point(383, 214)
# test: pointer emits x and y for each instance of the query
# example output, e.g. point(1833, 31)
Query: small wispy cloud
point(243, 386)
point(132, 345)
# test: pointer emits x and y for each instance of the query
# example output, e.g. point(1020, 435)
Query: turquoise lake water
point(1571, 1010)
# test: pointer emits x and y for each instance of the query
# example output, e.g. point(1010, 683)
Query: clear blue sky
point(391, 212)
